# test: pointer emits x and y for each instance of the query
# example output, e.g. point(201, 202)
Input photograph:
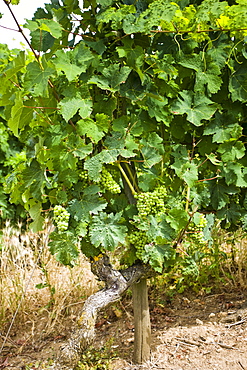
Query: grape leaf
point(207, 73)
point(235, 173)
point(220, 194)
point(90, 204)
point(37, 78)
point(238, 82)
point(35, 213)
point(49, 25)
point(94, 164)
point(64, 247)
point(106, 231)
point(34, 179)
point(222, 130)
point(95, 130)
point(70, 106)
point(231, 150)
point(112, 77)
point(197, 107)
point(63, 63)
point(231, 213)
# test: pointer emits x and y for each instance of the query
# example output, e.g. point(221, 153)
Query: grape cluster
point(108, 183)
point(138, 239)
point(61, 218)
point(151, 202)
point(195, 231)
point(84, 178)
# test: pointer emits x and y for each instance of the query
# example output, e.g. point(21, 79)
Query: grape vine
point(131, 96)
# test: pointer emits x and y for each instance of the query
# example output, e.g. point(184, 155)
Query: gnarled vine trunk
point(117, 282)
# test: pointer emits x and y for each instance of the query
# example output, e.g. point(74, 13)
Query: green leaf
point(16, 113)
point(177, 218)
point(159, 256)
point(231, 213)
point(94, 130)
point(35, 213)
point(106, 231)
point(150, 155)
point(160, 231)
point(83, 150)
point(51, 26)
point(238, 82)
point(112, 77)
point(152, 149)
point(220, 194)
point(64, 64)
point(222, 130)
point(94, 164)
point(37, 78)
point(90, 204)
point(184, 168)
point(70, 106)
point(196, 107)
point(20, 115)
point(207, 73)
point(18, 63)
point(64, 247)
point(34, 179)
point(235, 174)
point(231, 150)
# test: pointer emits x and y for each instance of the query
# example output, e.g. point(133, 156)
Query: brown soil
point(189, 332)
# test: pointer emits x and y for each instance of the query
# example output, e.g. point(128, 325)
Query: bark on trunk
point(142, 322)
point(117, 282)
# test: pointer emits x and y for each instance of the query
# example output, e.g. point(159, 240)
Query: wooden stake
point(141, 322)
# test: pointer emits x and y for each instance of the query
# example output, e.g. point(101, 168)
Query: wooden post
point(142, 325)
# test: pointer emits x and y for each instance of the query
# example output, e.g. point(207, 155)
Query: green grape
point(108, 183)
point(195, 231)
point(61, 218)
point(138, 239)
point(151, 202)
point(84, 178)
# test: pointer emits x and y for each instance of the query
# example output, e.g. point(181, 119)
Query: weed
point(98, 359)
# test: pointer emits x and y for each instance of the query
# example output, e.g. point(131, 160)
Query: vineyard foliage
point(127, 121)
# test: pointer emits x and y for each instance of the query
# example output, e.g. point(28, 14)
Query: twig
point(236, 323)
point(241, 365)
point(225, 345)
point(21, 30)
point(188, 342)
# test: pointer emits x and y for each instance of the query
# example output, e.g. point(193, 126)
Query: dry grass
point(25, 263)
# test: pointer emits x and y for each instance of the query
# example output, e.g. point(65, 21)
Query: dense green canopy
point(131, 115)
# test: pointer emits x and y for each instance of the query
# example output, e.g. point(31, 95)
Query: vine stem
point(198, 31)
point(37, 57)
point(21, 31)
point(179, 240)
point(127, 179)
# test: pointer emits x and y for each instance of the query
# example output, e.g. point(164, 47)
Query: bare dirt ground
point(188, 332)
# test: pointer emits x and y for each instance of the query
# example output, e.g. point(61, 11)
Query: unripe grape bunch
point(61, 217)
point(108, 183)
point(195, 231)
point(138, 239)
point(151, 202)
point(83, 175)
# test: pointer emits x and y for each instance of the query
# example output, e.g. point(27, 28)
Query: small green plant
point(98, 359)
point(39, 365)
